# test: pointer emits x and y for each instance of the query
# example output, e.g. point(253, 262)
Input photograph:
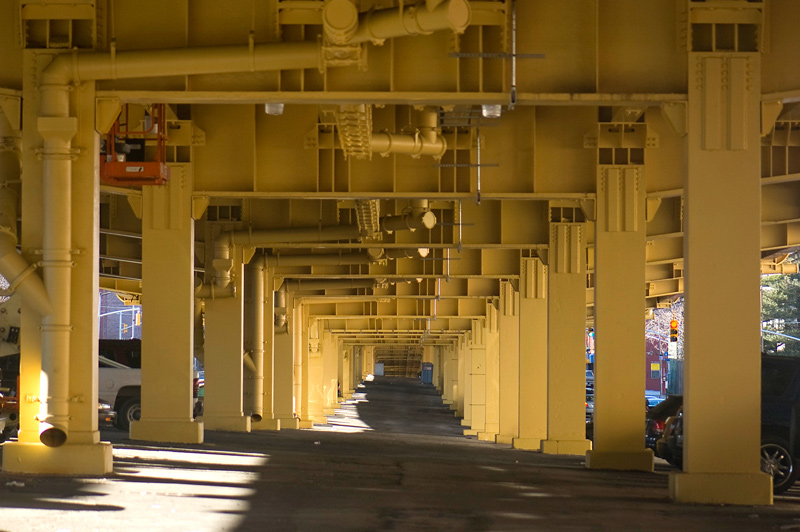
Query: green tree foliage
point(780, 310)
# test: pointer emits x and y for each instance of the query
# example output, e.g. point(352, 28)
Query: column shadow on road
point(397, 405)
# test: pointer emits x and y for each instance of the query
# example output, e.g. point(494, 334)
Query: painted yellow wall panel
point(228, 153)
point(638, 47)
point(562, 163)
point(523, 222)
point(440, 73)
point(10, 56)
point(510, 146)
point(784, 48)
point(565, 32)
point(279, 139)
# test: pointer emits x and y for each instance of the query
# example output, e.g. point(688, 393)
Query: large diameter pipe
point(255, 275)
point(295, 285)
point(13, 267)
point(328, 259)
point(429, 124)
point(266, 237)
point(414, 145)
point(410, 222)
point(57, 130)
point(344, 25)
point(182, 62)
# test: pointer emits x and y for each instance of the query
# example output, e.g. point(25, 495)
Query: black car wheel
point(131, 410)
point(776, 460)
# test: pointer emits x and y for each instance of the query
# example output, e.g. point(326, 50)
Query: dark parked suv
point(780, 416)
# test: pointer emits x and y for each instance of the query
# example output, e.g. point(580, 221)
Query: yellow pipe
point(428, 125)
point(344, 25)
point(414, 145)
point(57, 128)
point(255, 283)
point(182, 62)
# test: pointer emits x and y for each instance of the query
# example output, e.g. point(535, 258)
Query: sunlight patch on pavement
point(192, 457)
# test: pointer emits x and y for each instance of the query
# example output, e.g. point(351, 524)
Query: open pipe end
point(52, 436)
point(256, 417)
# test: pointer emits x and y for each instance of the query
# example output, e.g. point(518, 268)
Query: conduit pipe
point(262, 238)
point(182, 62)
point(385, 144)
point(417, 219)
point(428, 125)
point(295, 285)
point(255, 277)
point(13, 267)
point(212, 291)
point(343, 24)
point(410, 222)
point(57, 129)
point(328, 259)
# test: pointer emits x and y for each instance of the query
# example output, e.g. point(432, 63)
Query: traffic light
point(673, 331)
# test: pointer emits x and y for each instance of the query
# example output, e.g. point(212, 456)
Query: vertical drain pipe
point(57, 129)
point(256, 269)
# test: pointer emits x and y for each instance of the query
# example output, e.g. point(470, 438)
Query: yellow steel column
point(461, 353)
point(447, 375)
point(330, 378)
point(492, 383)
point(508, 327)
point(532, 355)
point(224, 340)
point(83, 453)
point(619, 321)
point(566, 413)
point(721, 360)
point(438, 368)
point(477, 379)
point(347, 372)
point(315, 369)
point(268, 420)
point(468, 382)
point(168, 313)
point(301, 367)
point(284, 380)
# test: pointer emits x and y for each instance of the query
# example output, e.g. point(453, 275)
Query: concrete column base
point(329, 411)
point(305, 424)
point(447, 402)
point(566, 446)
point(266, 424)
point(288, 422)
point(721, 488)
point(527, 444)
point(504, 438)
point(487, 436)
point(621, 461)
point(167, 430)
point(466, 422)
point(230, 423)
point(77, 459)
point(470, 432)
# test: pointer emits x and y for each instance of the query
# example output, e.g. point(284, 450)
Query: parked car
point(652, 400)
point(589, 404)
point(656, 417)
point(780, 416)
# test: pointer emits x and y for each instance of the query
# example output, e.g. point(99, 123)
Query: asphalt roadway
point(393, 458)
